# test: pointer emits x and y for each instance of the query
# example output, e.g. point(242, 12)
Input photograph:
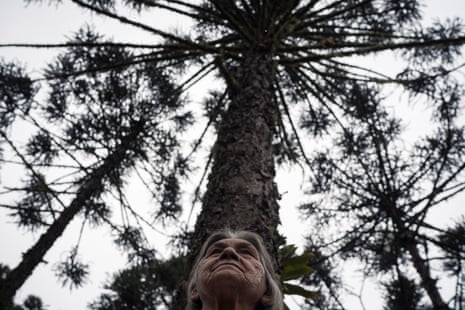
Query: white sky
point(50, 24)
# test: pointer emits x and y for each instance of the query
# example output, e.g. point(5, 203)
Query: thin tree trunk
point(92, 185)
point(241, 193)
point(427, 282)
point(16, 277)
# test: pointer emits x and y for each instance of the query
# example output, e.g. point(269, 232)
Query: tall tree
point(107, 123)
point(384, 193)
point(274, 57)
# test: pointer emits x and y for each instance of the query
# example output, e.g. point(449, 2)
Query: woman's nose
point(230, 253)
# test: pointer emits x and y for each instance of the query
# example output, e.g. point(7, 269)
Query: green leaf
point(286, 252)
point(292, 289)
point(297, 260)
point(295, 267)
point(293, 272)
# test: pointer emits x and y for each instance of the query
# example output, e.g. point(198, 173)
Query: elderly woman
point(233, 271)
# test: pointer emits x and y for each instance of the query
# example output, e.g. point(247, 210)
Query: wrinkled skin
point(231, 276)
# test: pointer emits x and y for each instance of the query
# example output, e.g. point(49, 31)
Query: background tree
point(30, 303)
point(100, 126)
point(148, 285)
point(275, 58)
point(384, 193)
point(403, 293)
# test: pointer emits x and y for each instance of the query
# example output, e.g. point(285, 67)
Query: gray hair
point(272, 285)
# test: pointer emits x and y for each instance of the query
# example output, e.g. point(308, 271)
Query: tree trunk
point(428, 283)
point(241, 193)
point(92, 185)
point(420, 265)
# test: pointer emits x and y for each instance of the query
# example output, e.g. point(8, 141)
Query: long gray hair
point(272, 286)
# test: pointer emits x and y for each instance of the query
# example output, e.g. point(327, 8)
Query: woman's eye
point(215, 251)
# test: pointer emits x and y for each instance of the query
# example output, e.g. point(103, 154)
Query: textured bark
point(92, 185)
point(241, 193)
point(428, 283)
point(420, 265)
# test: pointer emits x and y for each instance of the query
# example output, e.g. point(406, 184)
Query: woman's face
point(231, 268)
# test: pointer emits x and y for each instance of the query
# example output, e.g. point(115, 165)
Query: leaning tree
point(277, 60)
point(86, 138)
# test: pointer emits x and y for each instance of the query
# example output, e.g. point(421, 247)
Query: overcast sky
point(51, 24)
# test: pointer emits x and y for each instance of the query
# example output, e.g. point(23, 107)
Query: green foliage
point(16, 92)
point(34, 204)
point(132, 241)
point(149, 286)
point(294, 267)
point(452, 243)
point(403, 294)
point(72, 271)
point(33, 303)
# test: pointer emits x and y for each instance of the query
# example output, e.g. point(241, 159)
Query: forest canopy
point(200, 120)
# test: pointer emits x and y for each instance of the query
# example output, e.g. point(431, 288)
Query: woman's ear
point(194, 294)
point(265, 300)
